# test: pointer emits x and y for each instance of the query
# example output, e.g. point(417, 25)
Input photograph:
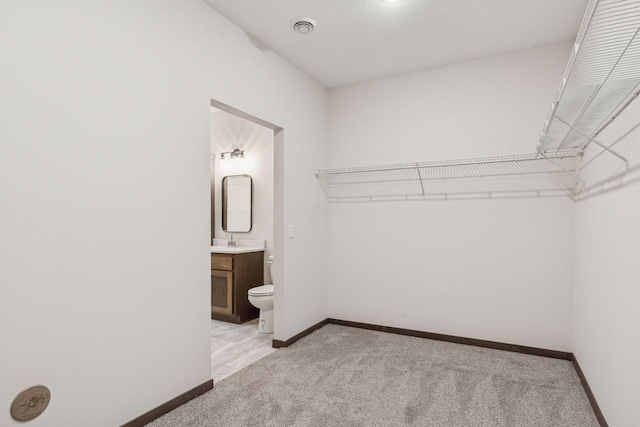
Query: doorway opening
point(246, 254)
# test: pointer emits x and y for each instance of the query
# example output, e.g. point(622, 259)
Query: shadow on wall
point(616, 182)
point(257, 43)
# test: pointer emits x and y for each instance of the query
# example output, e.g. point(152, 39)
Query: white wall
point(606, 317)
point(227, 133)
point(489, 269)
point(104, 188)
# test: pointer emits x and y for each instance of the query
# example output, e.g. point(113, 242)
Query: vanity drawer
point(221, 262)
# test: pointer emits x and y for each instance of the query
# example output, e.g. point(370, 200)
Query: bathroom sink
point(234, 250)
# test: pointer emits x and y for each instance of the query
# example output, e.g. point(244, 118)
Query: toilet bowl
point(262, 297)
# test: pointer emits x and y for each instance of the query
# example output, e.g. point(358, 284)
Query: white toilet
point(262, 298)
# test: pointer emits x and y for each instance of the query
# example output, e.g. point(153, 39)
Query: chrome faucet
point(230, 242)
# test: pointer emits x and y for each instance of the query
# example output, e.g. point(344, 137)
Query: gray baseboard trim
point(287, 343)
point(170, 405)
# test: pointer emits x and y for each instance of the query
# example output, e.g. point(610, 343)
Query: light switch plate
point(291, 233)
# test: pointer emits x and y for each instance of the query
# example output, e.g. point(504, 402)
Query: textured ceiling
point(359, 40)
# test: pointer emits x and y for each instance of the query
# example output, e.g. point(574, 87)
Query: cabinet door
point(221, 292)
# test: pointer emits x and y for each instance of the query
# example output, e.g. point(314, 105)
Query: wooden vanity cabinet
point(232, 275)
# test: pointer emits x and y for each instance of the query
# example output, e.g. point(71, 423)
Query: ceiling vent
point(304, 25)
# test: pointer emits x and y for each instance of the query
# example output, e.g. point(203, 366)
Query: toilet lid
point(261, 291)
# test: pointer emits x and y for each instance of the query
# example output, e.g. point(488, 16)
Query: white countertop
point(233, 250)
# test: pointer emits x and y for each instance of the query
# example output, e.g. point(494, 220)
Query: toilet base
point(265, 323)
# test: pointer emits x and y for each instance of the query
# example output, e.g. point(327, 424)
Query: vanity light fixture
point(235, 154)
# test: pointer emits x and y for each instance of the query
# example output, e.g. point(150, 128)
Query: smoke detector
point(304, 25)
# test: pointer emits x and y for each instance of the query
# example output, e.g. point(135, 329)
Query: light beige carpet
point(341, 376)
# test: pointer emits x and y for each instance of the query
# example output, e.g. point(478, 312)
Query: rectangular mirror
point(237, 195)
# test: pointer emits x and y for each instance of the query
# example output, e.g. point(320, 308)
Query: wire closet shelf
point(601, 79)
point(553, 174)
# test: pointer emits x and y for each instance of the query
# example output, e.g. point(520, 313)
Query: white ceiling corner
point(360, 40)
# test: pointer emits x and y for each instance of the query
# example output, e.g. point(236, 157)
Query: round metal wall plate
point(30, 403)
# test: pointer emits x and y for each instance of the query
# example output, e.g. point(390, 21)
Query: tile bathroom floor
point(234, 347)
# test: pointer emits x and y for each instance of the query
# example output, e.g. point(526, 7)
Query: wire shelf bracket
point(598, 143)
